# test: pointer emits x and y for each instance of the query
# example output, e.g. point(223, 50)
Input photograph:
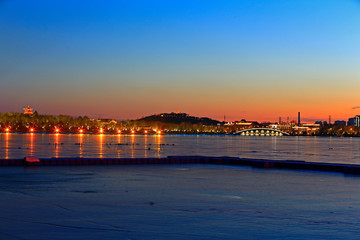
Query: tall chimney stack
point(299, 118)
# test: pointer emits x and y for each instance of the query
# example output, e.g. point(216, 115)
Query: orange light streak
point(7, 145)
point(101, 145)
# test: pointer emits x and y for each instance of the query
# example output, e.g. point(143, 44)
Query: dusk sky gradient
point(252, 59)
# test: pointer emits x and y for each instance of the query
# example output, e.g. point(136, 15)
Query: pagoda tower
point(28, 110)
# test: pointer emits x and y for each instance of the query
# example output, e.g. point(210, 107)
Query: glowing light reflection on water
point(317, 149)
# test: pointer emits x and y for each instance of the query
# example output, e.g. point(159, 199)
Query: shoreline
point(173, 134)
point(226, 161)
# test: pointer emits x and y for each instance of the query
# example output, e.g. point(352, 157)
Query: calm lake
point(315, 149)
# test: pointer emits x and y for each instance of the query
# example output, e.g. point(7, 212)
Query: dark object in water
point(31, 161)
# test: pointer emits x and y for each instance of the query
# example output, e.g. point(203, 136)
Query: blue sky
point(256, 59)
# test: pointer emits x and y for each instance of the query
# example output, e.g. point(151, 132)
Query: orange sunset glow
point(273, 66)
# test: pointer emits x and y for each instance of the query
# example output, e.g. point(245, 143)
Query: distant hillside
point(178, 118)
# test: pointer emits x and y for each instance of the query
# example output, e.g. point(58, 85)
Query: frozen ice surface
point(176, 202)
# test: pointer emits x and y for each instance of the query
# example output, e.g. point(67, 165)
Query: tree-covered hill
point(178, 118)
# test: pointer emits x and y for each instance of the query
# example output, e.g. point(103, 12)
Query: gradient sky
point(252, 59)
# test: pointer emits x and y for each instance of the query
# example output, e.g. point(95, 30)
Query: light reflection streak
point(146, 146)
point(158, 142)
point(7, 145)
point(56, 145)
point(275, 143)
point(133, 145)
point(100, 145)
point(31, 144)
point(80, 145)
point(119, 142)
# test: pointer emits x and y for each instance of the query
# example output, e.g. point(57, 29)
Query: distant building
point(285, 126)
point(311, 125)
point(241, 123)
point(338, 122)
point(309, 128)
point(28, 110)
point(355, 121)
point(107, 121)
point(351, 122)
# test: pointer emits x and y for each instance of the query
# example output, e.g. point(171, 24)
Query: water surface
point(316, 149)
point(176, 202)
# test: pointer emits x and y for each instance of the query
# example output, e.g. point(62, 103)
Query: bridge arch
point(261, 132)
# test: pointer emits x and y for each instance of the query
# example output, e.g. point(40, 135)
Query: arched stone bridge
point(261, 132)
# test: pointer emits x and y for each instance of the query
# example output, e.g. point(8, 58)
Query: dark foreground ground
point(176, 202)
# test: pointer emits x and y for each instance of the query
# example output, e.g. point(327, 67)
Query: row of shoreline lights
point(81, 131)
